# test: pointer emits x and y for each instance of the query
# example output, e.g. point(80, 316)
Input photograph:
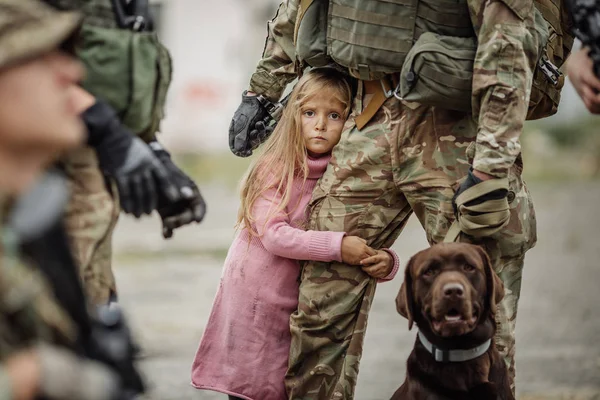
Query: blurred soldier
point(129, 71)
point(444, 89)
point(39, 119)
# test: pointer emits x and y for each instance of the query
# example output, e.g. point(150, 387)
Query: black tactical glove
point(189, 208)
point(249, 126)
point(470, 181)
point(141, 178)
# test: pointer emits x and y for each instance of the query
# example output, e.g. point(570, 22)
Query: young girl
point(244, 350)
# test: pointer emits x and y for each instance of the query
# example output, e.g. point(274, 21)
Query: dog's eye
point(429, 272)
point(468, 268)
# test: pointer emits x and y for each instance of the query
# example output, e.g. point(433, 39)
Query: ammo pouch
point(545, 93)
point(131, 71)
point(438, 71)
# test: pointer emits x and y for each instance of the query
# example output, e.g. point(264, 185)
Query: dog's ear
point(495, 287)
point(405, 301)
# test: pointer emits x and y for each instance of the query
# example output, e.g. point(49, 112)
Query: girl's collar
point(317, 166)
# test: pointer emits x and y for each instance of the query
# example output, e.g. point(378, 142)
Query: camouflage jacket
point(503, 73)
point(28, 312)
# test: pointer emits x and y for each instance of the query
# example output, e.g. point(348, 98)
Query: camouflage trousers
point(90, 218)
point(407, 159)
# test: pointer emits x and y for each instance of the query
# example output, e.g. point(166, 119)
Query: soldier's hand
point(244, 134)
point(63, 375)
point(580, 69)
point(189, 208)
point(470, 181)
point(139, 175)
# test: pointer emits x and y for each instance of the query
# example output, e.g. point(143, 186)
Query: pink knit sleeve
point(395, 268)
point(281, 239)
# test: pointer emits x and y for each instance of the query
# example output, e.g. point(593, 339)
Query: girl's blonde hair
point(283, 155)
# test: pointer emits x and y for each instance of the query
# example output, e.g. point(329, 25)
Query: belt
point(381, 90)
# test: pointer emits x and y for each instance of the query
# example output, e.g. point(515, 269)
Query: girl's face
point(322, 121)
point(39, 108)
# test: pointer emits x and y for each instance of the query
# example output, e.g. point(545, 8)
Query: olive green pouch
point(438, 71)
point(130, 70)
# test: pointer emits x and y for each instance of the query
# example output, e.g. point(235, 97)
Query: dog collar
point(454, 355)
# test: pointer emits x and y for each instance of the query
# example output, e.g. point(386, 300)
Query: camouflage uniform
point(93, 210)
point(90, 218)
point(28, 311)
point(408, 158)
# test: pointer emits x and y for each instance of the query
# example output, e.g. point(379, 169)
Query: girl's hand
point(379, 265)
point(355, 249)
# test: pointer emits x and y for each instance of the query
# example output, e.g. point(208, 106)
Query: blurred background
point(167, 287)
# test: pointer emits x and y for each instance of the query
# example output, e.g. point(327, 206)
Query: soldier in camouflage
point(121, 145)
point(400, 158)
point(37, 79)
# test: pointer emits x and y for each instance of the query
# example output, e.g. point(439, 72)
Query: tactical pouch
point(438, 71)
point(545, 92)
point(131, 71)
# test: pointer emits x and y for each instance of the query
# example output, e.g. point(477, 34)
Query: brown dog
point(450, 291)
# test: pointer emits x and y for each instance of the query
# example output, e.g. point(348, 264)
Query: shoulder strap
point(304, 4)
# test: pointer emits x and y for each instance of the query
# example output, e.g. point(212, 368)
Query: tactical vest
point(129, 68)
point(373, 38)
point(430, 43)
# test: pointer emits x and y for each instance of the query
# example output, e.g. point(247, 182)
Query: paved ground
point(169, 291)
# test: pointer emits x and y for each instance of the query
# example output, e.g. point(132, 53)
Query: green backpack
point(126, 66)
point(434, 69)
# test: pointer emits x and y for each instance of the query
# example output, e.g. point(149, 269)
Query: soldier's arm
point(503, 73)
point(277, 67)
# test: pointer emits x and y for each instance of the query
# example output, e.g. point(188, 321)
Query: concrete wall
point(215, 46)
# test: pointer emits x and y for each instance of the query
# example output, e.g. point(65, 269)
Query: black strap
point(135, 16)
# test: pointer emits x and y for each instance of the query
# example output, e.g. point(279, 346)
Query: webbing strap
point(304, 4)
point(371, 41)
point(353, 14)
point(376, 88)
point(442, 78)
point(483, 219)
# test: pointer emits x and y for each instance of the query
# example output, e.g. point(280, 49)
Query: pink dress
point(245, 347)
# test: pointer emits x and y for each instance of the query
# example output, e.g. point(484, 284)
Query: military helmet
point(29, 28)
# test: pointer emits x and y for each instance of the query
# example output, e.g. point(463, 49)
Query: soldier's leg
point(90, 219)
point(507, 252)
point(443, 149)
point(357, 195)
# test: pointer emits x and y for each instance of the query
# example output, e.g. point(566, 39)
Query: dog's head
point(451, 287)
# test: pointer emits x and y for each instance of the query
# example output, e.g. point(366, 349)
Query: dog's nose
point(453, 290)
